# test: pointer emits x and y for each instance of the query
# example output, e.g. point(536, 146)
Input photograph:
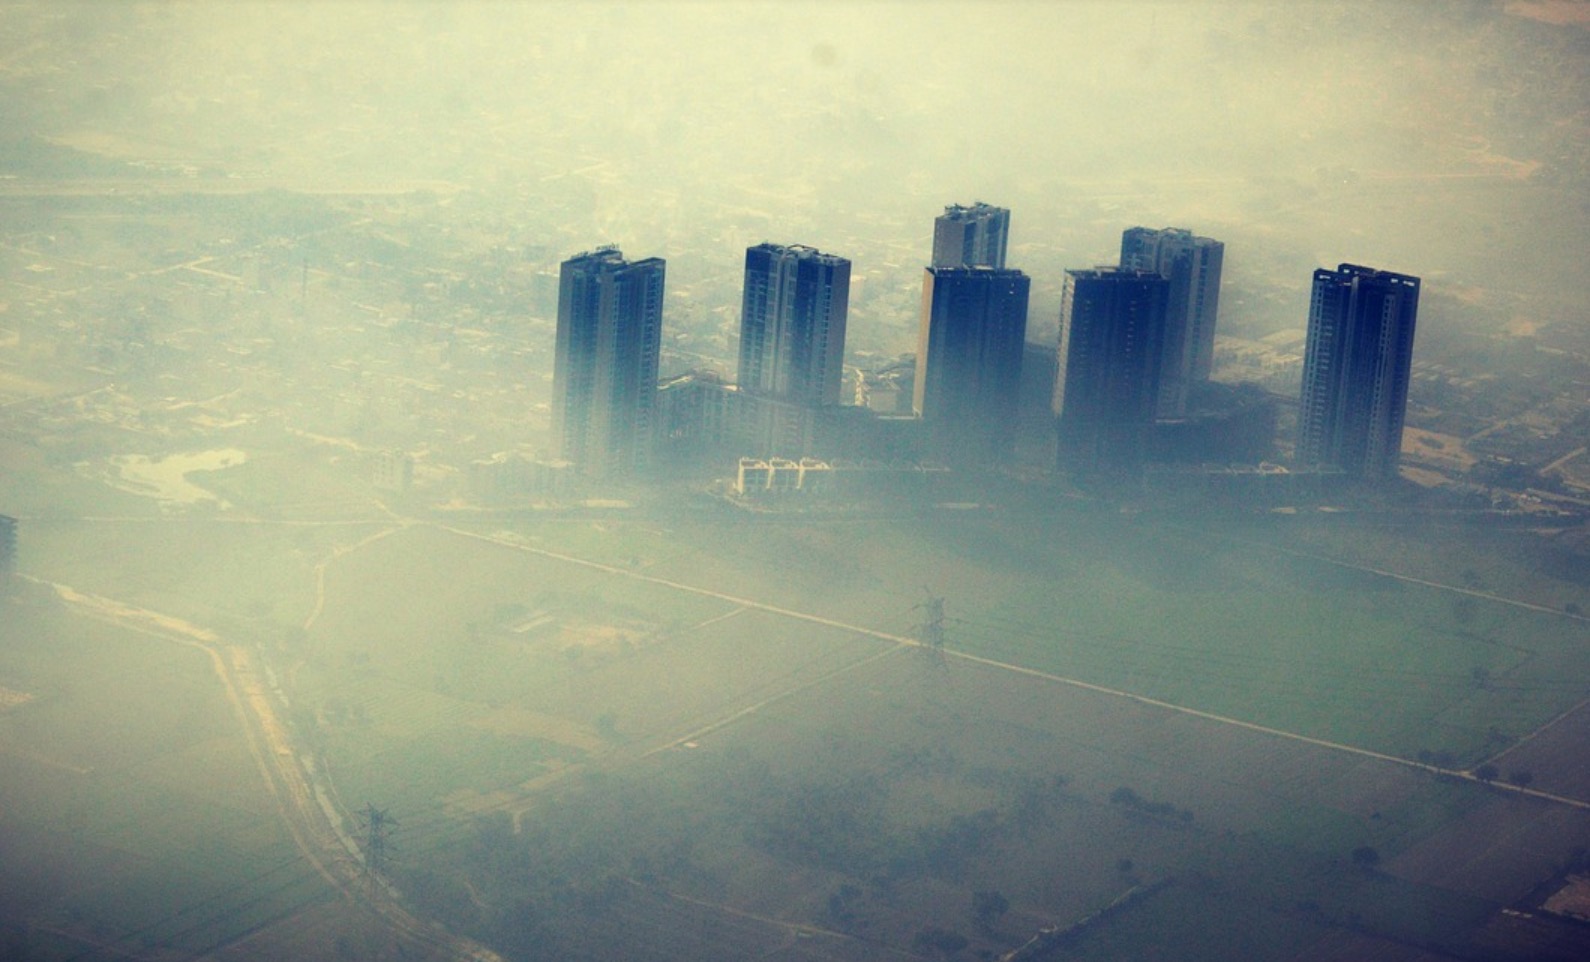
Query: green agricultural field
point(1246, 631)
point(606, 716)
point(445, 668)
point(132, 812)
point(240, 578)
point(887, 797)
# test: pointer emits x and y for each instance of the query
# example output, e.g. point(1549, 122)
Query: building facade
point(792, 324)
point(792, 346)
point(974, 236)
point(1192, 265)
point(1112, 328)
point(1356, 369)
point(969, 351)
point(604, 384)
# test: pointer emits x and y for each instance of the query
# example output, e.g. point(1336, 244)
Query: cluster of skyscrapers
point(1137, 344)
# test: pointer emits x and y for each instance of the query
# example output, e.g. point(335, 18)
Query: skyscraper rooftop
point(974, 236)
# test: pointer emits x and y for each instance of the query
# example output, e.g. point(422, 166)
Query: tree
point(1486, 773)
point(1366, 857)
point(988, 907)
point(938, 940)
point(1521, 778)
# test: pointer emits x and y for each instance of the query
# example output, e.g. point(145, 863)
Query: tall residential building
point(1112, 330)
point(792, 347)
point(792, 324)
point(604, 382)
point(968, 360)
point(1356, 369)
point(973, 236)
point(1192, 265)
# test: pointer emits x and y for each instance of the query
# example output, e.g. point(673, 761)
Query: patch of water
point(166, 478)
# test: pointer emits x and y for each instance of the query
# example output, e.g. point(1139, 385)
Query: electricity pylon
point(930, 633)
point(375, 831)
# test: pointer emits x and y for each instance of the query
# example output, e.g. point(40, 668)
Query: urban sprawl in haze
point(696, 482)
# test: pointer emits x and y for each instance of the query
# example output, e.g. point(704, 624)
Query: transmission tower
point(930, 632)
point(375, 832)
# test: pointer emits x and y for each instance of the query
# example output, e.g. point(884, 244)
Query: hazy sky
point(669, 127)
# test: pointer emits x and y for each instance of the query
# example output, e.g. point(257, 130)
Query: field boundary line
point(180, 632)
point(337, 553)
point(900, 640)
point(717, 618)
point(1370, 753)
point(1410, 579)
point(680, 586)
point(794, 929)
point(752, 709)
point(311, 830)
point(1539, 730)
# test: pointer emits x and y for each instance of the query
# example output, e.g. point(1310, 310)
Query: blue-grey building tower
point(1192, 264)
point(604, 381)
point(792, 348)
point(968, 361)
point(975, 236)
point(1112, 330)
point(1356, 370)
point(792, 323)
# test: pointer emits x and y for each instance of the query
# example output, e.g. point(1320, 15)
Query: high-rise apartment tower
point(1356, 369)
point(604, 383)
point(1112, 328)
point(792, 324)
point(1192, 265)
point(968, 360)
point(974, 236)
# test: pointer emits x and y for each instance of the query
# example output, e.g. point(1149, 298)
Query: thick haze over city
point(315, 645)
point(1306, 136)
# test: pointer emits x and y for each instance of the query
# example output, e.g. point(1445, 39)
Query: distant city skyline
point(1124, 332)
point(609, 331)
point(425, 535)
point(1356, 370)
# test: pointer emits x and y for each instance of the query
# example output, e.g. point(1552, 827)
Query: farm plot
point(132, 813)
point(1554, 760)
point(1267, 637)
point(449, 671)
point(238, 578)
point(1496, 850)
point(32, 487)
point(1512, 562)
point(879, 804)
